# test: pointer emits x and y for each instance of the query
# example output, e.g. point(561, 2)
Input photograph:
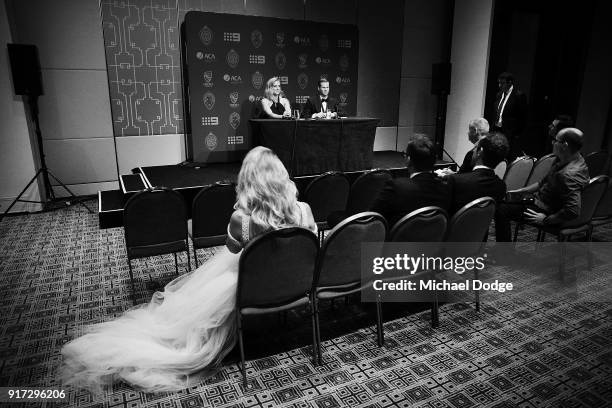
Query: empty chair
point(211, 211)
point(596, 162)
point(518, 172)
point(275, 273)
point(326, 194)
point(155, 223)
point(500, 169)
point(362, 194)
point(427, 224)
point(541, 168)
point(339, 264)
point(603, 211)
point(470, 225)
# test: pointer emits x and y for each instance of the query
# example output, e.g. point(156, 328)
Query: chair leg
point(516, 230)
point(314, 333)
point(315, 308)
point(132, 281)
point(561, 240)
point(589, 239)
point(195, 256)
point(241, 346)
point(379, 324)
point(188, 258)
point(176, 264)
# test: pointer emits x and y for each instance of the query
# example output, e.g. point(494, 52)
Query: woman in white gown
point(185, 331)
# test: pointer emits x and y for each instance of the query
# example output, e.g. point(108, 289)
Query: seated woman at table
point(274, 104)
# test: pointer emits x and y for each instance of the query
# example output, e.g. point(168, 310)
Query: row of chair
point(304, 272)
point(526, 170)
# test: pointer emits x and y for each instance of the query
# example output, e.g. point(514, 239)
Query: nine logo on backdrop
point(232, 58)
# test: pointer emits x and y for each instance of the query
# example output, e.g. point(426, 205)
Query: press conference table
point(308, 146)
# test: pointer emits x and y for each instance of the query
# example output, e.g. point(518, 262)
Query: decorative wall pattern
point(142, 44)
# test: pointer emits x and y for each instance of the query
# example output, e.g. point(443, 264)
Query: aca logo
point(209, 100)
point(323, 61)
point(206, 35)
point(303, 41)
point(302, 61)
point(232, 79)
point(280, 40)
point(208, 57)
point(211, 141)
point(231, 37)
point(343, 44)
point(257, 80)
point(232, 58)
point(233, 97)
point(280, 60)
point(323, 43)
point(343, 80)
point(302, 81)
point(253, 98)
point(257, 59)
point(256, 38)
point(210, 121)
point(343, 99)
point(208, 79)
point(344, 62)
point(234, 120)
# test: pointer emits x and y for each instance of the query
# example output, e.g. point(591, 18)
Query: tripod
point(44, 171)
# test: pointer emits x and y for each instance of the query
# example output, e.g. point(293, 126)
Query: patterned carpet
point(60, 273)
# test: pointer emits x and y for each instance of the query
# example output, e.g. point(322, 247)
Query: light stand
point(32, 103)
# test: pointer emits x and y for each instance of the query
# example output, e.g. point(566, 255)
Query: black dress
point(277, 108)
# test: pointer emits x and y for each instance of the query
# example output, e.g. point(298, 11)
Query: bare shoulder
point(235, 225)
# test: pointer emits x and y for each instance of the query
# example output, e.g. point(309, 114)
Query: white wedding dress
point(171, 342)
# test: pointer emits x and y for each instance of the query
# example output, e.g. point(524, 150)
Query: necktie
point(499, 107)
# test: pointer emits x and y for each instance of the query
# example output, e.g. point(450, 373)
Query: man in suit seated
point(323, 105)
point(477, 130)
point(555, 199)
point(482, 180)
point(423, 188)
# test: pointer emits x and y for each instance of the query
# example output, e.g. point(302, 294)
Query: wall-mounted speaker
point(440, 78)
point(25, 67)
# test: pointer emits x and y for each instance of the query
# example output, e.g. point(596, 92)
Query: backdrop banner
point(227, 60)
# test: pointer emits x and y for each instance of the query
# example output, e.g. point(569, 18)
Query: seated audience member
point(559, 123)
point(423, 188)
point(557, 197)
point(322, 105)
point(482, 180)
point(477, 130)
point(274, 103)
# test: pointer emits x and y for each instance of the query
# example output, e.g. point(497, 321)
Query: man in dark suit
point(323, 105)
point(423, 188)
point(482, 180)
point(510, 113)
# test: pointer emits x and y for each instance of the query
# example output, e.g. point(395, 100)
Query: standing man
point(511, 113)
point(323, 105)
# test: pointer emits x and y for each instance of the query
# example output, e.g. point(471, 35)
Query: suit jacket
point(514, 115)
point(478, 183)
point(313, 105)
point(403, 195)
point(467, 164)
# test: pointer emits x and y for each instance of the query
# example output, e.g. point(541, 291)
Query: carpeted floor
point(533, 348)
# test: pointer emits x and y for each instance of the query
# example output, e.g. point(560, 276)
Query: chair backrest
point(212, 209)
point(589, 198)
point(155, 217)
point(471, 223)
point(427, 224)
point(541, 168)
point(500, 169)
point(365, 189)
point(604, 207)
point(339, 262)
point(326, 194)
point(596, 162)
point(276, 268)
point(518, 172)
